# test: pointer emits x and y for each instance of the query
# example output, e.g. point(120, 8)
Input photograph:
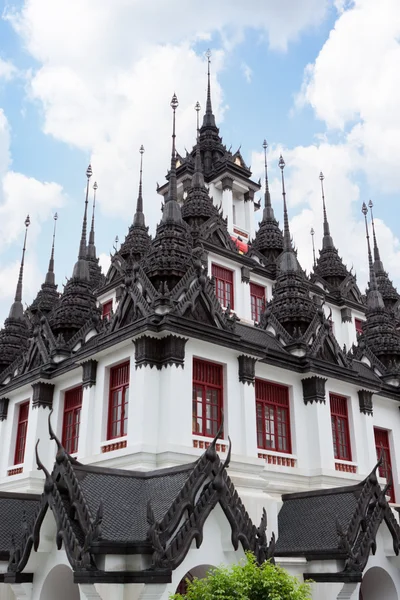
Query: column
point(143, 407)
point(246, 368)
point(227, 201)
point(245, 291)
point(364, 433)
point(175, 408)
point(318, 423)
point(38, 428)
point(349, 591)
point(89, 592)
point(22, 591)
point(157, 591)
point(249, 214)
point(88, 411)
point(4, 455)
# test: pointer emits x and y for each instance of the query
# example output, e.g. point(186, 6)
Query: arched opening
point(60, 584)
point(200, 571)
point(377, 584)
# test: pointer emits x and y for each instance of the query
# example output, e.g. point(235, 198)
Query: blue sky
point(84, 82)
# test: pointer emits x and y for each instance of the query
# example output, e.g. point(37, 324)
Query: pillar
point(318, 421)
point(38, 428)
point(22, 591)
point(227, 201)
point(89, 592)
point(246, 372)
point(245, 292)
point(88, 411)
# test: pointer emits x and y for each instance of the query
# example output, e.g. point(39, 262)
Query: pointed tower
point(137, 241)
point(198, 206)
point(170, 252)
point(385, 286)
point(379, 330)
point(269, 239)
point(329, 266)
point(77, 304)
point(95, 275)
point(47, 296)
point(291, 303)
point(14, 335)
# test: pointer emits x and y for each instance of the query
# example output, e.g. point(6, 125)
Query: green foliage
point(247, 581)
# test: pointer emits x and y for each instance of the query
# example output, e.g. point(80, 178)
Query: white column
point(154, 592)
point(320, 443)
point(227, 201)
point(144, 407)
point(349, 591)
point(38, 429)
point(246, 302)
point(175, 406)
point(86, 431)
point(88, 592)
point(249, 426)
point(22, 591)
point(233, 414)
point(365, 443)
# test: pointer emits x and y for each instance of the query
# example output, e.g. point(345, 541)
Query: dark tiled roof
point(14, 508)
point(258, 336)
point(307, 524)
point(125, 495)
point(366, 372)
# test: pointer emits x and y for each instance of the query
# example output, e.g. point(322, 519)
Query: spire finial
point(50, 272)
point(372, 279)
point(172, 191)
point(18, 292)
point(312, 233)
point(82, 245)
point(198, 178)
point(268, 210)
point(91, 251)
point(286, 231)
point(376, 249)
point(209, 118)
point(197, 108)
point(138, 219)
point(327, 241)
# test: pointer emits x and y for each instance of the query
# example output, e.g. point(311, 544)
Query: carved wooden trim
point(314, 389)
point(346, 315)
point(42, 395)
point(160, 352)
point(227, 183)
point(247, 369)
point(89, 370)
point(3, 408)
point(365, 402)
point(245, 275)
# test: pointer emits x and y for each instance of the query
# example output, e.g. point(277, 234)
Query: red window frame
point(257, 299)
point(383, 448)
point(207, 397)
point(118, 401)
point(224, 289)
point(358, 323)
point(22, 428)
point(106, 310)
point(273, 417)
point(340, 427)
point(72, 419)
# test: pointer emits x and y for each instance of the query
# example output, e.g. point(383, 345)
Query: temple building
point(202, 398)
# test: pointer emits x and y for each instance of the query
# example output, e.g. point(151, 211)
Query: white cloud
point(7, 70)
point(247, 72)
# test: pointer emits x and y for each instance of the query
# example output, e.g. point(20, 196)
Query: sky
point(91, 80)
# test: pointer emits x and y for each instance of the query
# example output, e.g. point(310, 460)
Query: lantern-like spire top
point(50, 272)
point(312, 233)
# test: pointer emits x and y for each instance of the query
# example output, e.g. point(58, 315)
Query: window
point(383, 449)
point(23, 414)
point(223, 285)
point(118, 403)
point(257, 297)
point(72, 419)
point(273, 418)
point(358, 325)
point(207, 397)
point(340, 427)
point(106, 310)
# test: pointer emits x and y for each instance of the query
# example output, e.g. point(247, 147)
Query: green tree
point(247, 581)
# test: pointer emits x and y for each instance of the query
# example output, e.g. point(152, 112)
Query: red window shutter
point(359, 326)
point(118, 401)
point(383, 450)
point(273, 417)
point(106, 310)
point(223, 285)
point(22, 427)
point(72, 419)
point(207, 397)
point(257, 297)
point(340, 427)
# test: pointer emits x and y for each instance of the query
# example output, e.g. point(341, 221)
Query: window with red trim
point(106, 310)
point(207, 397)
point(358, 323)
point(72, 419)
point(383, 449)
point(273, 416)
point(118, 402)
point(257, 297)
point(20, 442)
point(223, 285)
point(340, 427)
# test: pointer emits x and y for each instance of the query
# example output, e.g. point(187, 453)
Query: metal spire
point(312, 233)
point(377, 257)
point(81, 268)
point(198, 178)
point(327, 241)
point(50, 272)
point(16, 310)
point(208, 119)
point(286, 232)
point(268, 210)
point(91, 250)
point(374, 297)
point(138, 219)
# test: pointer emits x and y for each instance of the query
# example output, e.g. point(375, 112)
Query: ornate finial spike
point(50, 271)
point(139, 216)
point(286, 231)
point(268, 211)
point(95, 186)
point(209, 118)
point(18, 292)
point(327, 241)
point(372, 279)
point(321, 176)
point(172, 188)
point(377, 257)
point(281, 163)
point(197, 108)
point(91, 249)
point(89, 172)
point(82, 244)
point(312, 233)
